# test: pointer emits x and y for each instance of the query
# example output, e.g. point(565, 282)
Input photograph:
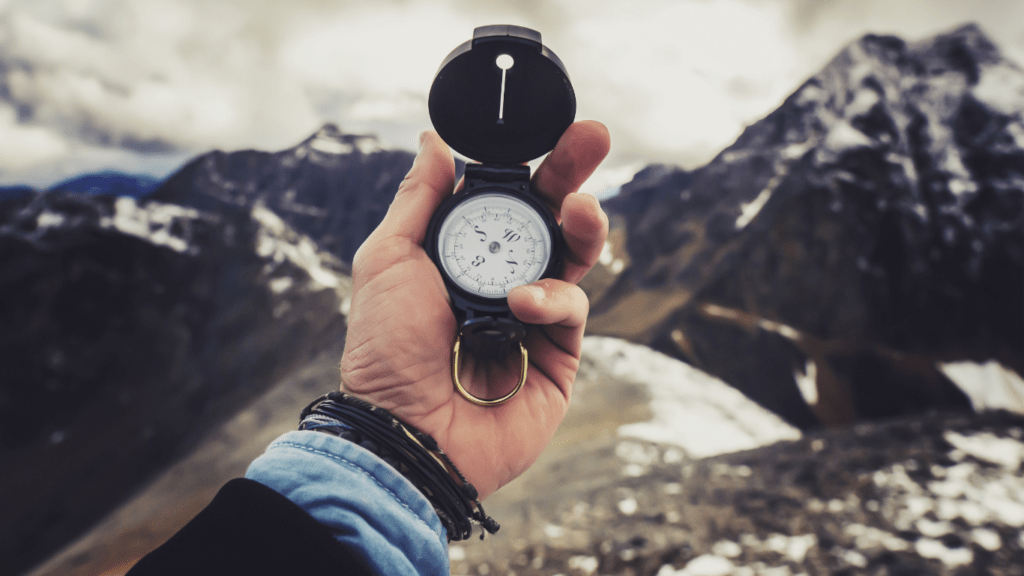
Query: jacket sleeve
point(311, 501)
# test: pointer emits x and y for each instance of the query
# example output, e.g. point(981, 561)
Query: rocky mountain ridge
point(333, 187)
point(133, 329)
point(869, 229)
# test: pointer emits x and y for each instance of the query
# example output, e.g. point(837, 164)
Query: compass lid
point(498, 111)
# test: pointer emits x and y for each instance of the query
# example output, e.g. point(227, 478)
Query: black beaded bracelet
point(413, 453)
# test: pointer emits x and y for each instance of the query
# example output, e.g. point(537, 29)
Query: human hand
point(401, 327)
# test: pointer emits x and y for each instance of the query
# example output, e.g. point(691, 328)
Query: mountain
point(333, 187)
point(867, 231)
point(130, 330)
point(109, 183)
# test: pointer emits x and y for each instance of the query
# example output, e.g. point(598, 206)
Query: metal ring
point(482, 401)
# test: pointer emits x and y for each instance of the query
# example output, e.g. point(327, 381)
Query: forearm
point(364, 502)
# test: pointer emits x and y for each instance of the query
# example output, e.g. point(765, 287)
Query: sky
point(141, 86)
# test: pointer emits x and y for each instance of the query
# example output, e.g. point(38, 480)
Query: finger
point(550, 302)
point(561, 310)
point(585, 228)
point(428, 183)
point(578, 153)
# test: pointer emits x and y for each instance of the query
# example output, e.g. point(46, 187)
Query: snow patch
point(1002, 88)
point(930, 548)
point(608, 259)
point(585, 564)
point(990, 386)
point(973, 493)
point(706, 565)
point(807, 382)
point(47, 219)
point(277, 241)
point(153, 222)
point(843, 136)
point(749, 210)
point(691, 409)
point(1007, 452)
point(330, 146)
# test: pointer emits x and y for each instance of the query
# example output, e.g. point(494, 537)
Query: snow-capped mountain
point(860, 236)
point(333, 187)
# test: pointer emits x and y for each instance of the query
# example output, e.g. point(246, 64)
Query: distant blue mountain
point(109, 183)
point(9, 193)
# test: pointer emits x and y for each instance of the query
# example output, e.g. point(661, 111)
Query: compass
point(502, 99)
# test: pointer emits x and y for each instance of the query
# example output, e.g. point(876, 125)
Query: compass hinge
point(490, 173)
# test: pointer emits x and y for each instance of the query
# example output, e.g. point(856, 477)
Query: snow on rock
point(693, 410)
point(990, 386)
point(278, 242)
point(161, 224)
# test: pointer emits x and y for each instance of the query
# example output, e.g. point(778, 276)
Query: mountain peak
point(329, 139)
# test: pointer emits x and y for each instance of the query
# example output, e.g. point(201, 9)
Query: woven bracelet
point(413, 453)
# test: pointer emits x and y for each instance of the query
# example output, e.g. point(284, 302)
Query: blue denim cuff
point(363, 501)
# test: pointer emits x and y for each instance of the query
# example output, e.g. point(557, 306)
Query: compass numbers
point(512, 263)
point(511, 244)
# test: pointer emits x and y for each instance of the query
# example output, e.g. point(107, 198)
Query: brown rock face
point(868, 229)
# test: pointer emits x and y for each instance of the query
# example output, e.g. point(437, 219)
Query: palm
point(401, 333)
point(412, 376)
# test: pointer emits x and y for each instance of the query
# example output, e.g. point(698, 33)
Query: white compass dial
point(492, 243)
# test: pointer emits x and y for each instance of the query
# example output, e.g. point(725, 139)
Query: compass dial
point(492, 243)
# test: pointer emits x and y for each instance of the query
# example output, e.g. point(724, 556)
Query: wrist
point(412, 453)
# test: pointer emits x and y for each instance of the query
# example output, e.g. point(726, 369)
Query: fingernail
point(423, 139)
point(538, 293)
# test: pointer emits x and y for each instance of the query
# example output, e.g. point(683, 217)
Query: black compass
point(502, 99)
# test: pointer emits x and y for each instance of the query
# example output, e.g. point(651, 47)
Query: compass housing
point(475, 304)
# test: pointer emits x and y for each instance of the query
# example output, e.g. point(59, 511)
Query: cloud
point(84, 82)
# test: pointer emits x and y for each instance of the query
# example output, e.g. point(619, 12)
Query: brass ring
point(481, 401)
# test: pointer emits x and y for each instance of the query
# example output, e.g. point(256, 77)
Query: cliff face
point(129, 331)
point(868, 229)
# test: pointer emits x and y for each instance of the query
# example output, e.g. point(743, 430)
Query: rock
point(871, 226)
point(131, 330)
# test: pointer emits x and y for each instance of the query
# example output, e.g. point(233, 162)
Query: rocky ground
point(935, 494)
point(938, 494)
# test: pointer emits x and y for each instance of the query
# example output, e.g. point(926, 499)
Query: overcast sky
point(142, 85)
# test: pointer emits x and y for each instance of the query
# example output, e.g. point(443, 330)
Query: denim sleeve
point(361, 499)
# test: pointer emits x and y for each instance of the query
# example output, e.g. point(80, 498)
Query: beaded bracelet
point(413, 453)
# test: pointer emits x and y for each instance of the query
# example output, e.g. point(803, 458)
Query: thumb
point(429, 182)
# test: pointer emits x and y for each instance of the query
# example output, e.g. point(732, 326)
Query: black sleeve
point(252, 530)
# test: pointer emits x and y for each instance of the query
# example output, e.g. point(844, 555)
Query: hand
point(401, 327)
